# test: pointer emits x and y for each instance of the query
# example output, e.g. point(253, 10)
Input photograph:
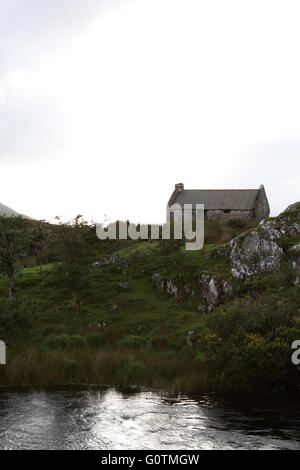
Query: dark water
point(109, 419)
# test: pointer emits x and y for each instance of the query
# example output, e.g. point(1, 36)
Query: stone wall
point(261, 206)
point(227, 215)
point(216, 215)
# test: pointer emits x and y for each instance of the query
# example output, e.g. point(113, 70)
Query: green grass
point(144, 343)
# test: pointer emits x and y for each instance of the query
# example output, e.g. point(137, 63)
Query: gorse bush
point(248, 345)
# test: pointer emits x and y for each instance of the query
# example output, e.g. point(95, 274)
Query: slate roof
point(219, 199)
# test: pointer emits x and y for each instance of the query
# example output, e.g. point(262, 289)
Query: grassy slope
point(163, 323)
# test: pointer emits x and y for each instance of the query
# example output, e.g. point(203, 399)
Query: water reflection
point(110, 419)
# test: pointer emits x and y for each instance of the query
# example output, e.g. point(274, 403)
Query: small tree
point(13, 246)
point(75, 257)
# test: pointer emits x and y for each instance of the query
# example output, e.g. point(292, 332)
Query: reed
point(158, 370)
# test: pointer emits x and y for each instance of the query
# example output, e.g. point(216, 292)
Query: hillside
point(223, 318)
point(8, 212)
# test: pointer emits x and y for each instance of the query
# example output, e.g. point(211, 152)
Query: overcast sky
point(106, 104)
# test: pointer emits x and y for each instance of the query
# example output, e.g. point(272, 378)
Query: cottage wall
point(252, 203)
point(227, 215)
point(261, 206)
point(217, 215)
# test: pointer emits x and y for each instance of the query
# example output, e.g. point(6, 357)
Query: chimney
point(179, 187)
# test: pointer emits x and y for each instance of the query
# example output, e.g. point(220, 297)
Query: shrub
point(248, 345)
point(77, 341)
point(59, 342)
point(94, 340)
point(63, 341)
point(131, 371)
point(16, 319)
point(133, 341)
point(200, 357)
point(187, 351)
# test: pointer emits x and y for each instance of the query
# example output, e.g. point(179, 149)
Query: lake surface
point(132, 419)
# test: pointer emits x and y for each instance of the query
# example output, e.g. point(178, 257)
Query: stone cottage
point(224, 204)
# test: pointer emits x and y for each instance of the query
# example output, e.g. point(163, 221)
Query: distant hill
point(8, 212)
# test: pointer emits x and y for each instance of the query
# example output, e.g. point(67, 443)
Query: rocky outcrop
point(213, 291)
point(272, 246)
point(166, 285)
point(295, 255)
point(262, 251)
point(106, 262)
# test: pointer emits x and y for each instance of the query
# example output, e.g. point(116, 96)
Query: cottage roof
point(222, 199)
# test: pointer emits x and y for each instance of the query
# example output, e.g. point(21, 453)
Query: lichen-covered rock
point(202, 308)
point(261, 250)
point(172, 289)
point(254, 254)
point(213, 290)
point(166, 285)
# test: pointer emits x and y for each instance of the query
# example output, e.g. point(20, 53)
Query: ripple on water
point(109, 419)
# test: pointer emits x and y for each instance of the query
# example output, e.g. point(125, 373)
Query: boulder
point(261, 250)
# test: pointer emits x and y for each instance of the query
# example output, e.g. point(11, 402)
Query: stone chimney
point(179, 187)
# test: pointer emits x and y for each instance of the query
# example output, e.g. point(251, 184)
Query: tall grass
point(164, 370)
